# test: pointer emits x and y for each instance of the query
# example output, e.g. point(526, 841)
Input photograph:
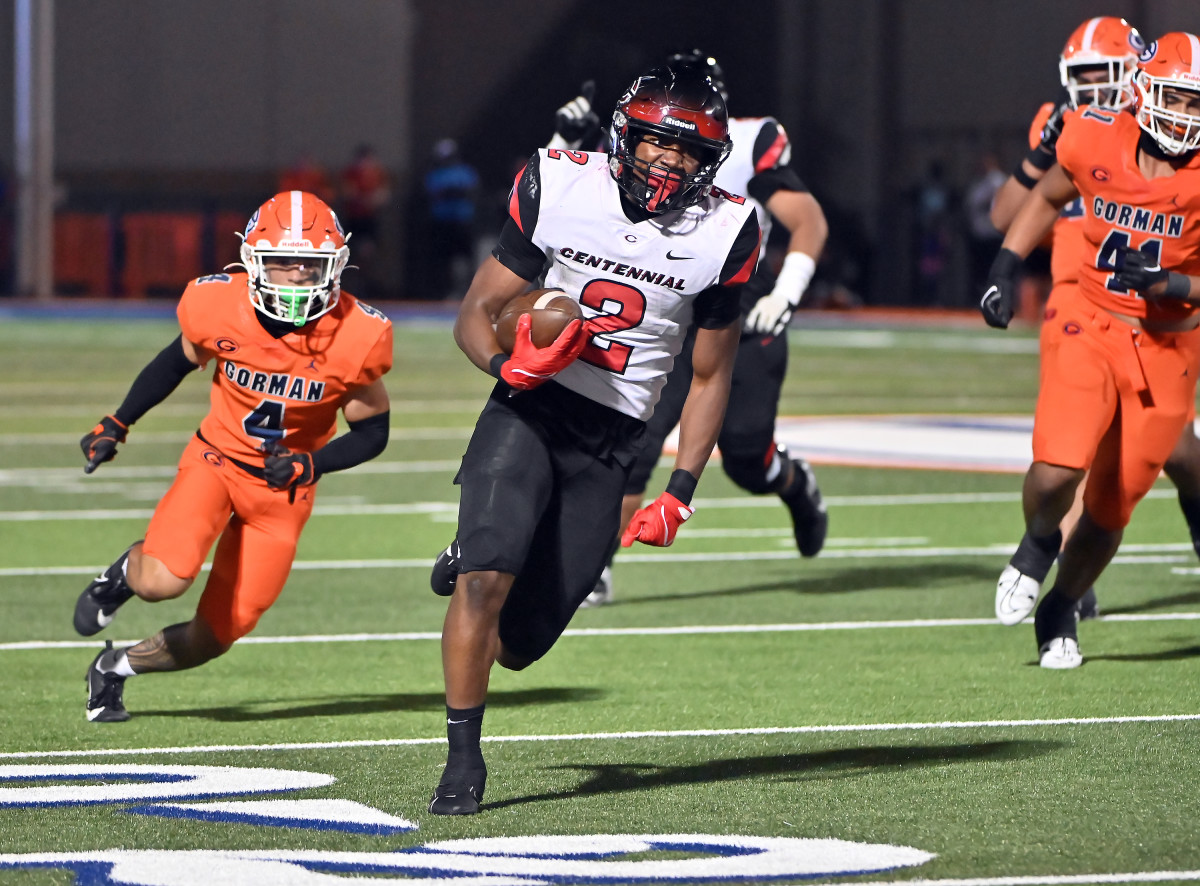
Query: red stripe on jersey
point(771, 156)
point(748, 268)
point(513, 209)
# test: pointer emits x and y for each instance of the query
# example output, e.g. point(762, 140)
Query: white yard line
point(1130, 554)
point(57, 477)
point(615, 736)
point(680, 630)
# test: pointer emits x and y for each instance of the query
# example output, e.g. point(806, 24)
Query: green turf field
point(747, 714)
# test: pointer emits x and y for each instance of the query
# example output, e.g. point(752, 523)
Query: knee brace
point(758, 475)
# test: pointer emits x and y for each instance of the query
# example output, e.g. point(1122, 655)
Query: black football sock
point(464, 727)
point(1191, 513)
point(1035, 555)
point(1055, 617)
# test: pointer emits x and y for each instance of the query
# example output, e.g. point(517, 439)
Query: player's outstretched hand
point(575, 121)
point(284, 469)
point(1052, 129)
point(100, 443)
point(658, 523)
point(530, 365)
point(770, 314)
point(1000, 294)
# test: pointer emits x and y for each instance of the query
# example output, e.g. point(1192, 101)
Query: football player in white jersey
point(758, 168)
point(648, 246)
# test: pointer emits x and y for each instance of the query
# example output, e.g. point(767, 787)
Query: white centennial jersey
point(636, 281)
point(742, 165)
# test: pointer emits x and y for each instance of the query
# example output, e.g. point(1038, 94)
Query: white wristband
point(795, 275)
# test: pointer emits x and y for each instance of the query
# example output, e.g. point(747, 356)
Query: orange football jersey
point(1161, 216)
point(1066, 239)
point(289, 388)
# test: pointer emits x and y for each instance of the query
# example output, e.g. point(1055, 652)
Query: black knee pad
point(750, 473)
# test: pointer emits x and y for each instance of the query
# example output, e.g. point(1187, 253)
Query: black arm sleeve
point(517, 253)
point(717, 307)
point(155, 382)
point(367, 438)
point(781, 178)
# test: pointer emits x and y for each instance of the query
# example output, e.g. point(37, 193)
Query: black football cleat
point(100, 600)
point(459, 792)
point(444, 576)
point(810, 521)
point(105, 703)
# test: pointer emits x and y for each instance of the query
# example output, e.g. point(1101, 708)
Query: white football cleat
point(602, 593)
point(1060, 654)
point(1016, 595)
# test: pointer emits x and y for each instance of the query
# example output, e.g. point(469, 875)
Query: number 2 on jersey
point(621, 307)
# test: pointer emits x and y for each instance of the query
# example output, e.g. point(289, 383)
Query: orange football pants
point(1113, 400)
point(258, 530)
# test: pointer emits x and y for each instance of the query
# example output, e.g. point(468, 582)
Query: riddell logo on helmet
point(296, 244)
point(675, 121)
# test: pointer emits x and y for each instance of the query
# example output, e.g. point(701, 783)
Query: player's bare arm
point(491, 289)
point(366, 402)
point(1008, 201)
point(700, 424)
point(801, 214)
point(1039, 212)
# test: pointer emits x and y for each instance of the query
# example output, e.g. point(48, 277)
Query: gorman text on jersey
point(277, 384)
point(1135, 218)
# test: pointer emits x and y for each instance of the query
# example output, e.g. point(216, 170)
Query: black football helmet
point(678, 105)
point(703, 61)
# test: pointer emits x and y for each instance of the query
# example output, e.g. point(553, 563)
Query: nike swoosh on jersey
point(679, 257)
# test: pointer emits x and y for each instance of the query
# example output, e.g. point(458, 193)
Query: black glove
point(284, 469)
point(1044, 154)
point(576, 121)
point(997, 302)
point(1140, 271)
point(1052, 128)
point(1137, 270)
point(100, 443)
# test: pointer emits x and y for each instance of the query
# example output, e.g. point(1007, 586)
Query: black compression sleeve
point(155, 382)
point(518, 253)
point(367, 438)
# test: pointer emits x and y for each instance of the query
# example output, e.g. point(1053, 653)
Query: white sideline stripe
point(616, 736)
point(195, 410)
point(682, 630)
point(70, 476)
point(1148, 553)
point(1045, 880)
point(397, 434)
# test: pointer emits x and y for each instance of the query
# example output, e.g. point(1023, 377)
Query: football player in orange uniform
point(1096, 69)
point(1121, 354)
point(290, 350)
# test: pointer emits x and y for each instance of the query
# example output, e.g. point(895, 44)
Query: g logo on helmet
point(1138, 43)
point(1148, 52)
point(251, 225)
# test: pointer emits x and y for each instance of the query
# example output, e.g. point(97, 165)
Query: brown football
point(550, 311)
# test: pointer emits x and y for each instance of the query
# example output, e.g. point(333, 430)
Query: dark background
point(197, 107)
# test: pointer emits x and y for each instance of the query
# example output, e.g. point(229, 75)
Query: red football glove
point(657, 523)
point(530, 365)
